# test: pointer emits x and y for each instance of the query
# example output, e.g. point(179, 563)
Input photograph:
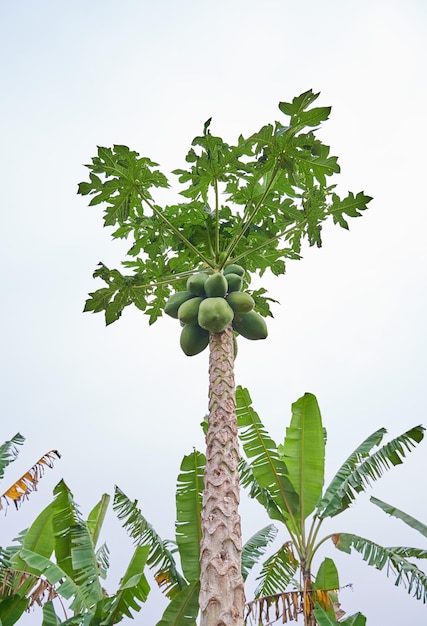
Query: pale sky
point(123, 404)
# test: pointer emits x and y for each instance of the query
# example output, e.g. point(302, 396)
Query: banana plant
point(176, 564)
point(288, 480)
point(247, 208)
point(22, 487)
point(56, 563)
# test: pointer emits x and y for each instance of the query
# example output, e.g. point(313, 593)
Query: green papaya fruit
point(240, 301)
point(215, 314)
point(174, 302)
point(193, 339)
point(235, 269)
point(235, 282)
point(196, 283)
point(216, 285)
point(189, 310)
point(250, 325)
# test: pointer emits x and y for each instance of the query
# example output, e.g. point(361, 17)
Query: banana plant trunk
point(222, 594)
point(309, 619)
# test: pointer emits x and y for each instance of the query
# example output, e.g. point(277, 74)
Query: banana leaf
point(160, 556)
point(247, 480)
point(132, 592)
point(394, 559)
point(408, 519)
point(362, 468)
point(323, 619)
point(11, 609)
point(96, 518)
point(189, 494)
point(277, 571)
point(269, 471)
point(9, 452)
point(50, 617)
point(304, 453)
point(255, 547)
point(183, 608)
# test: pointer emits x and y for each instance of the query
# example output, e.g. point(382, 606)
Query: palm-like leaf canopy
point(255, 202)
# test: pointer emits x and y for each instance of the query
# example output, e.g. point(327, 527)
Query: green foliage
point(9, 452)
point(188, 513)
point(58, 555)
point(324, 619)
point(394, 559)
point(183, 589)
point(302, 507)
point(255, 547)
point(361, 468)
point(408, 519)
point(254, 202)
point(303, 452)
point(160, 556)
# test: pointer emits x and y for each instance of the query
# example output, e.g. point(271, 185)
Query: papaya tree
point(288, 480)
point(21, 488)
point(247, 208)
point(56, 561)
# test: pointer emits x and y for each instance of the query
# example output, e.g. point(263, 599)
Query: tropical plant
point(56, 560)
point(288, 481)
point(182, 587)
point(248, 208)
point(22, 487)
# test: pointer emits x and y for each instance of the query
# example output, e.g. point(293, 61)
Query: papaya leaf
point(160, 556)
point(303, 452)
point(188, 513)
point(269, 471)
point(405, 572)
point(255, 547)
point(360, 469)
point(183, 608)
point(408, 519)
point(268, 193)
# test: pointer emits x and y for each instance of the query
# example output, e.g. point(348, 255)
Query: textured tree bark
point(222, 594)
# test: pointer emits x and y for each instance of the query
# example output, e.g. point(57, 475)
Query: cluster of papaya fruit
point(212, 302)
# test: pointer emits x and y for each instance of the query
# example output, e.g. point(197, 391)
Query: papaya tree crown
point(252, 203)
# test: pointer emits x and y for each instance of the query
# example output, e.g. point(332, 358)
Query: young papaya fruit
point(233, 268)
point(215, 314)
point(196, 283)
point(250, 325)
point(193, 339)
point(189, 310)
point(216, 285)
point(240, 301)
point(174, 302)
point(235, 282)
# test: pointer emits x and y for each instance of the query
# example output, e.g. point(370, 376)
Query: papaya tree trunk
point(222, 595)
